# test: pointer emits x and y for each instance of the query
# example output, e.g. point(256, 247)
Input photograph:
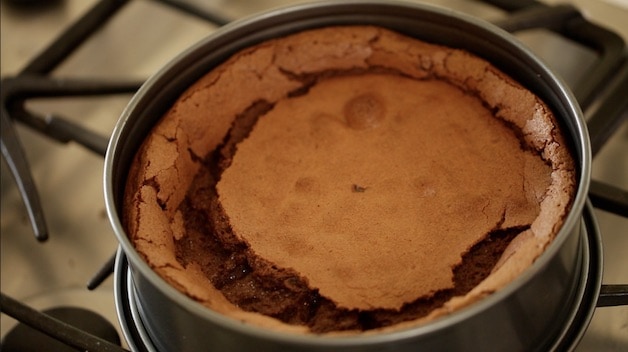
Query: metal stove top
point(133, 45)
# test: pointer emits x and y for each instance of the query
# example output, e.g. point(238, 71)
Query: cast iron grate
point(606, 82)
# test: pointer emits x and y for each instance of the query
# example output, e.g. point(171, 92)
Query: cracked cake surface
point(348, 178)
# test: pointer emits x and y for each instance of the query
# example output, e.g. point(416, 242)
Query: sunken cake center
point(374, 186)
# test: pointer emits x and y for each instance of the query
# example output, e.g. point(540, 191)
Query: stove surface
point(136, 43)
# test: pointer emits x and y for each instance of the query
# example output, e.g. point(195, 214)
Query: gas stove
point(73, 97)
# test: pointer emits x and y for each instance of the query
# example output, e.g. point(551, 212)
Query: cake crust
point(324, 181)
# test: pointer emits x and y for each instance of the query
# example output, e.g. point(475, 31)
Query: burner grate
point(35, 81)
point(52, 324)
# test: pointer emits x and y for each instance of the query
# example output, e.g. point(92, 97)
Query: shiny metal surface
point(136, 44)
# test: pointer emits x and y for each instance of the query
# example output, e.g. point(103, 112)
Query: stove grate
point(604, 103)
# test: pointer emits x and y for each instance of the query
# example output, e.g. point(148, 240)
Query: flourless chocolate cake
point(348, 179)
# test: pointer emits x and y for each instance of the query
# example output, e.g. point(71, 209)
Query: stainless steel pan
point(529, 314)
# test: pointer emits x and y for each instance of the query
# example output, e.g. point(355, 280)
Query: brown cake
point(348, 179)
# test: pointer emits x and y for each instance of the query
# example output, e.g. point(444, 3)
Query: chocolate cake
point(348, 179)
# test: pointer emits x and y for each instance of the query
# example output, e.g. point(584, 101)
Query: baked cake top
point(382, 161)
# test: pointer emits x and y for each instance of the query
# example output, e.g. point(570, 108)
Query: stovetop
point(133, 45)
